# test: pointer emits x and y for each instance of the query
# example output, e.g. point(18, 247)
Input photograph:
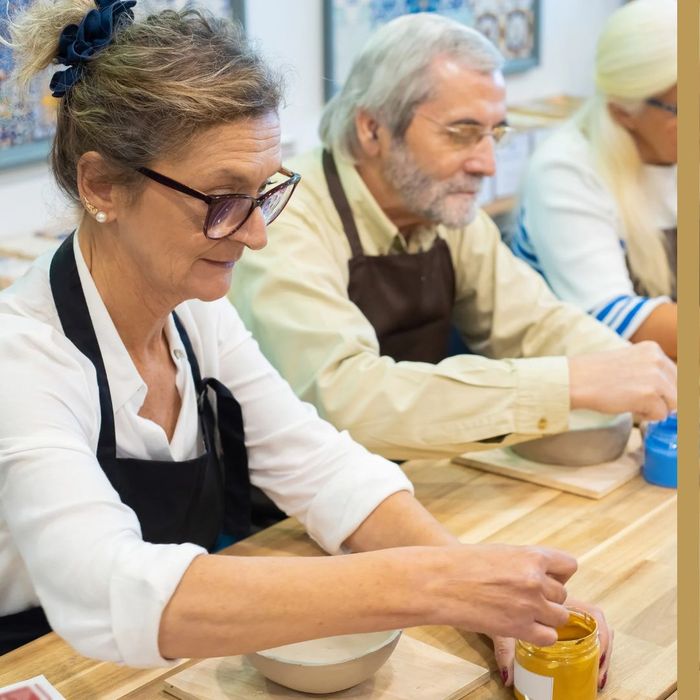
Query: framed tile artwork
point(27, 123)
point(512, 25)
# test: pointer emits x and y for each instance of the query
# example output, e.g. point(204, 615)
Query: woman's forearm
point(232, 605)
point(227, 605)
point(662, 326)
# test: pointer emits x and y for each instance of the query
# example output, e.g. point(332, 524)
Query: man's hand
point(504, 647)
point(639, 379)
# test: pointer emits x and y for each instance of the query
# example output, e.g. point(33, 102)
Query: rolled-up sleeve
point(625, 313)
point(311, 470)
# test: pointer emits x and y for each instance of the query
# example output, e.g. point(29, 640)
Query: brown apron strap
point(341, 203)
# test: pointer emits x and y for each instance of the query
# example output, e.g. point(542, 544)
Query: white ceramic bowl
point(326, 665)
point(592, 438)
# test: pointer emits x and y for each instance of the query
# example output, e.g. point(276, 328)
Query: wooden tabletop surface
point(625, 544)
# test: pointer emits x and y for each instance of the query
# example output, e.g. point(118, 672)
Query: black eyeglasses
point(666, 106)
point(226, 213)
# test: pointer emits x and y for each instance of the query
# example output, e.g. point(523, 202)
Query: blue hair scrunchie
point(79, 43)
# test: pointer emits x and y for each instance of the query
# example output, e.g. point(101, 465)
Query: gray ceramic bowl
point(592, 438)
point(326, 665)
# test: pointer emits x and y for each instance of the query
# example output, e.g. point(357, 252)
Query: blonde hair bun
point(35, 34)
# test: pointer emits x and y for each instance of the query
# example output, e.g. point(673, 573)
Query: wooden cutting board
point(594, 481)
point(414, 670)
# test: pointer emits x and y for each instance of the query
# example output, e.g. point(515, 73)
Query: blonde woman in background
point(598, 212)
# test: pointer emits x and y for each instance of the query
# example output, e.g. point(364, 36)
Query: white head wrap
point(636, 53)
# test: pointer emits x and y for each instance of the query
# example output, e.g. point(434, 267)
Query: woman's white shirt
point(67, 542)
point(569, 229)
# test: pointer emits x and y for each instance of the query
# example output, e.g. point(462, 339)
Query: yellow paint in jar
point(567, 670)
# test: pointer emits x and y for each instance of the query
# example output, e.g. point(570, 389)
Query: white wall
point(569, 32)
point(293, 43)
point(30, 201)
point(289, 35)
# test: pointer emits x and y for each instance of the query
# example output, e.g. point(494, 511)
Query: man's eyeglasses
point(666, 106)
point(469, 135)
point(226, 213)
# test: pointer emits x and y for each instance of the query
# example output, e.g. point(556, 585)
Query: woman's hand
point(503, 590)
point(504, 647)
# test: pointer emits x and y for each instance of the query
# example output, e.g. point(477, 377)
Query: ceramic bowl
point(592, 438)
point(326, 665)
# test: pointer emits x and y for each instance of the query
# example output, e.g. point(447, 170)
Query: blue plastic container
point(661, 453)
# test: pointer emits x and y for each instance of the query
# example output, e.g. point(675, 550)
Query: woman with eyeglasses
point(136, 410)
point(598, 210)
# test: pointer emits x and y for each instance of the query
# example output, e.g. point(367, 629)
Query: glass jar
point(567, 670)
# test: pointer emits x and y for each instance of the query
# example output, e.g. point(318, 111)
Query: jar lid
point(661, 452)
point(668, 425)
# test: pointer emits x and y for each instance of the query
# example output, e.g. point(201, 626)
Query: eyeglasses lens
point(275, 203)
point(502, 135)
point(226, 215)
point(468, 136)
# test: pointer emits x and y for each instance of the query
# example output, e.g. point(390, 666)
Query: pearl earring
point(101, 217)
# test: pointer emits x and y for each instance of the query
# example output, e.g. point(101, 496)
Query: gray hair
point(390, 77)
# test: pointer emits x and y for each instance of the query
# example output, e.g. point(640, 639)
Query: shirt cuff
point(542, 399)
point(138, 596)
point(349, 498)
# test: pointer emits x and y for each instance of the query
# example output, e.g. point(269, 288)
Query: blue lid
point(661, 452)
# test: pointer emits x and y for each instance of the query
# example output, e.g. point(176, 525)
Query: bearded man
point(383, 252)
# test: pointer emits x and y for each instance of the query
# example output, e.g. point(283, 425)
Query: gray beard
point(426, 197)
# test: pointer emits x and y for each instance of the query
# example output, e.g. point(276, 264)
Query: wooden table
point(625, 544)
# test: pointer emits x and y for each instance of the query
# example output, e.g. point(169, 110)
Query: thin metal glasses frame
point(500, 133)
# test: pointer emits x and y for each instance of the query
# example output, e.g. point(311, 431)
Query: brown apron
point(407, 297)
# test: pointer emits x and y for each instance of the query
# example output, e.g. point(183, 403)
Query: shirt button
point(542, 424)
point(179, 354)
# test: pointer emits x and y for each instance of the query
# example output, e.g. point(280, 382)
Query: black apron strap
point(75, 319)
point(206, 413)
point(245, 503)
point(341, 203)
point(237, 485)
point(194, 365)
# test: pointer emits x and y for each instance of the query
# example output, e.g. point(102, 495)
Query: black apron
point(670, 243)
point(407, 297)
point(203, 500)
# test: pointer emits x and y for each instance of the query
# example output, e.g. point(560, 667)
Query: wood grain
point(414, 670)
point(594, 481)
point(625, 544)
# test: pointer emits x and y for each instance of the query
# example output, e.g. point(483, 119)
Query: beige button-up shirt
point(293, 296)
